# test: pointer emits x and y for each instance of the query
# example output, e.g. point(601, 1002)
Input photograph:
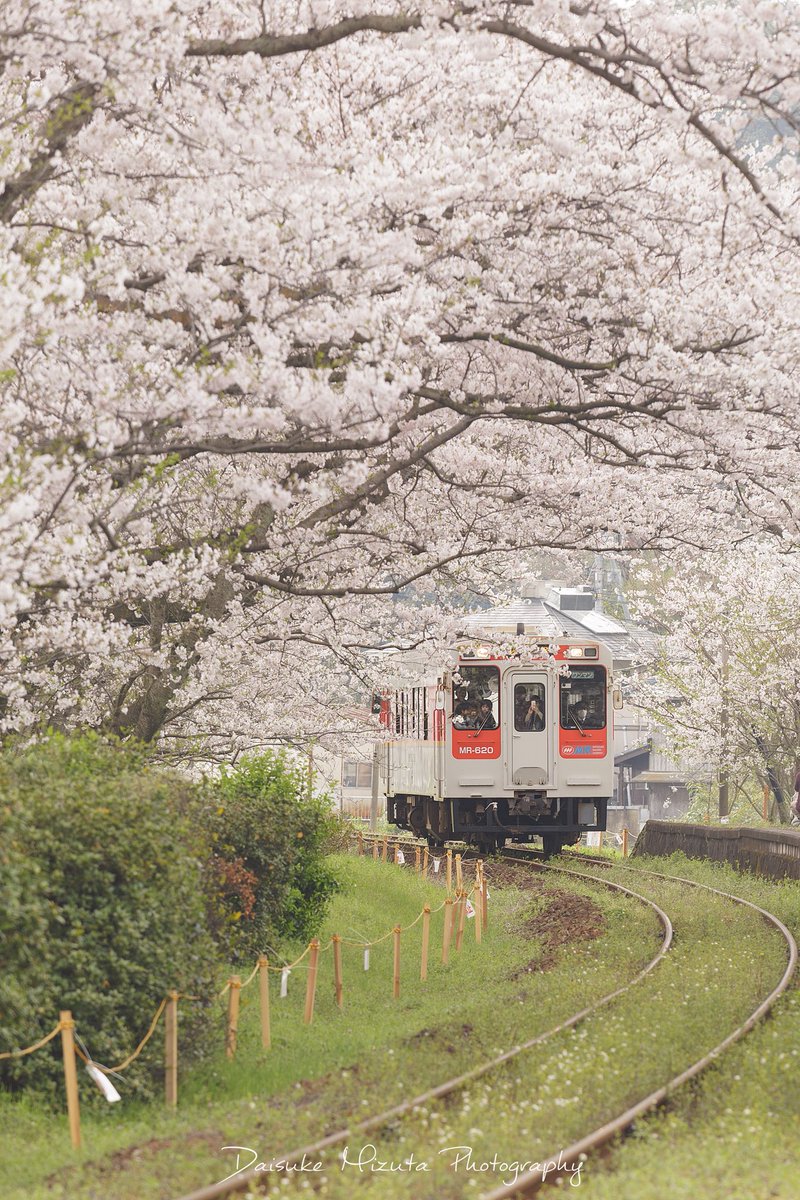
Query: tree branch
point(72, 115)
point(273, 46)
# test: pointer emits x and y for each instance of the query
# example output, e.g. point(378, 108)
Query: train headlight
point(574, 652)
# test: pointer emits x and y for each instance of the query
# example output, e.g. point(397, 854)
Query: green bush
point(101, 905)
point(270, 838)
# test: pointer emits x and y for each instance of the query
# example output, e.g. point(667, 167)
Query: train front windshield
point(583, 698)
point(476, 697)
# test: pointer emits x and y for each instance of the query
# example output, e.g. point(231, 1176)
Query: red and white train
point(501, 748)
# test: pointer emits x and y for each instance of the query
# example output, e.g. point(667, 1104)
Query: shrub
point(268, 833)
point(101, 904)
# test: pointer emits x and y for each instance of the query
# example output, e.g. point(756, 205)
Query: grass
point(734, 1133)
point(721, 965)
point(730, 1134)
point(347, 1063)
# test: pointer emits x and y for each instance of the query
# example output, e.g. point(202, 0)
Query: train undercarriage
point(488, 823)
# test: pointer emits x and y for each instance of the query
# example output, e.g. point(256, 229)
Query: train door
point(527, 707)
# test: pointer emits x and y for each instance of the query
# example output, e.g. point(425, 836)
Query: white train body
point(504, 748)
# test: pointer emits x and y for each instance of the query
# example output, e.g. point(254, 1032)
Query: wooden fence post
point(384, 849)
point(337, 968)
point(425, 862)
point(447, 932)
point(459, 874)
point(484, 901)
point(311, 986)
point(478, 902)
point(396, 974)
point(449, 871)
point(171, 1051)
point(624, 843)
point(263, 1000)
point(462, 915)
point(375, 849)
point(417, 860)
point(70, 1076)
point(426, 933)
point(234, 990)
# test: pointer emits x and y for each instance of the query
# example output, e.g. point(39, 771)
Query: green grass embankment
point(349, 1063)
point(722, 963)
point(734, 1134)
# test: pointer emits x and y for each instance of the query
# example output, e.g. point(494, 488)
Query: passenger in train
point(577, 715)
point(533, 719)
point(486, 719)
point(466, 716)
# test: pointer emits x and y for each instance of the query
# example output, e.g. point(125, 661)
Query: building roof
point(539, 616)
point(628, 756)
point(600, 622)
point(536, 615)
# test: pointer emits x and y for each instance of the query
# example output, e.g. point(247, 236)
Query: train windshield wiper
point(578, 726)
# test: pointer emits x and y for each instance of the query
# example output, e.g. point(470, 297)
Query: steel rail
point(252, 1177)
point(470, 853)
point(552, 1166)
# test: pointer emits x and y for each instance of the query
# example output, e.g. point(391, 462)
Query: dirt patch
point(528, 877)
point(567, 919)
point(119, 1160)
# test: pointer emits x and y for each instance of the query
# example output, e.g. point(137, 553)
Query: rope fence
point(459, 903)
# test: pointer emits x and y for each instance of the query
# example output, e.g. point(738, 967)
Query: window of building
point(356, 775)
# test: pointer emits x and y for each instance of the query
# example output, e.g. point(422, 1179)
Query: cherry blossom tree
point(312, 309)
point(725, 686)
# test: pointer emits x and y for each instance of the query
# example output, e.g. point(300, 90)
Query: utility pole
point(376, 763)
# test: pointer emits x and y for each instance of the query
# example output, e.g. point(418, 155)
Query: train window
point(529, 701)
point(426, 733)
point(396, 708)
point(583, 698)
point(476, 697)
point(356, 774)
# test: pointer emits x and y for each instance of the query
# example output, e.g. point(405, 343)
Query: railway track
point(516, 852)
point(558, 1161)
point(449, 1086)
point(531, 1182)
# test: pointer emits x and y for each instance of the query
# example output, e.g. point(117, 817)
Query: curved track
point(528, 1184)
point(253, 1178)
